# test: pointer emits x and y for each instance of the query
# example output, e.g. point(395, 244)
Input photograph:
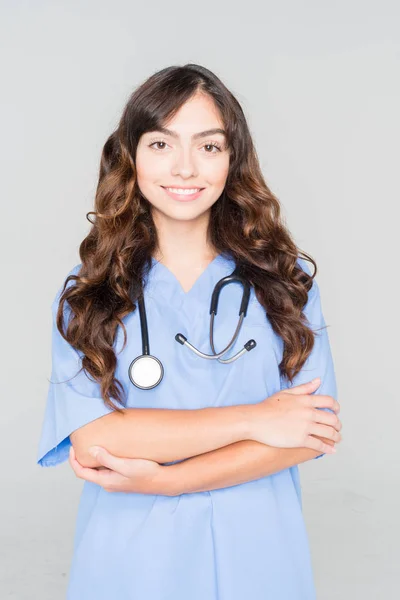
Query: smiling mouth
point(184, 195)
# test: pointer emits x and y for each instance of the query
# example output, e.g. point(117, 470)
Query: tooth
point(176, 191)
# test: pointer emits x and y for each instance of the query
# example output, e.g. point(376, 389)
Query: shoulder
point(304, 265)
point(74, 271)
point(313, 292)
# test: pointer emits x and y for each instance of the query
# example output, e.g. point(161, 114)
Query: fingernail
point(94, 450)
point(315, 380)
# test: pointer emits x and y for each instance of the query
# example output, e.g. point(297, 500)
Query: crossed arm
point(212, 443)
point(236, 463)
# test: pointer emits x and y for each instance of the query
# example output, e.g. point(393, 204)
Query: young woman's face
point(188, 156)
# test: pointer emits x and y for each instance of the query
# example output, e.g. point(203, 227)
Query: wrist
point(248, 418)
point(168, 483)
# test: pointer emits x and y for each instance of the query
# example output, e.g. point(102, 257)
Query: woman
point(195, 492)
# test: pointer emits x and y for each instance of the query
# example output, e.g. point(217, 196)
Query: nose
point(184, 164)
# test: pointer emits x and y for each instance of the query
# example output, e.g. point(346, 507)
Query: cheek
point(216, 172)
point(146, 169)
point(149, 175)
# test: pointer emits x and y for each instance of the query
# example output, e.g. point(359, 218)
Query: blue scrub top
point(244, 541)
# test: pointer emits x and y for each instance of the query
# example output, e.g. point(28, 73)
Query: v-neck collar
point(172, 277)
point(163, 285)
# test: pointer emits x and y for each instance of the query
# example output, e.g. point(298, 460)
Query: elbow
point(94, 433)
point(81, 444)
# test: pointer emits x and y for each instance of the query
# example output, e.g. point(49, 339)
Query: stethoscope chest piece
point(146, 371)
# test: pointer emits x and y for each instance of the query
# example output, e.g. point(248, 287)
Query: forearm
point(162, 435)
point(234, 464)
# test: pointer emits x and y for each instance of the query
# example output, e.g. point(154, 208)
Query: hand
point(123, 474)
point(290, 419)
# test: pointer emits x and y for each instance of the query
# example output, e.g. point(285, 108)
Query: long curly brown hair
point(245, 222)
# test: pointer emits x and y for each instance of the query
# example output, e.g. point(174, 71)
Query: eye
point(213, 145)
point(157, 142)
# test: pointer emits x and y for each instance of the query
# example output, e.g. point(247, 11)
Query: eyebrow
point(195, 136)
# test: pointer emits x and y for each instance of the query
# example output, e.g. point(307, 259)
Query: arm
point(248, 460)
point(234, 464)
point(162, 435)
point(76, 413)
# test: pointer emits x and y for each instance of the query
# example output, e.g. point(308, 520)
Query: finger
point(325, 440)
point(326, 418)
point(115, 463)
point(72, 458)
point(324, 401)
point(71, 453)
point(319, 445)
point(103, 478)
point(304, 388)
point(326, 431)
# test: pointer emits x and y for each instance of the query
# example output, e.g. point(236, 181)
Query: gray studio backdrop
point(319, 83)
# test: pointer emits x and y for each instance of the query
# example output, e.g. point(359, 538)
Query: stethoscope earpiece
point(250, 345)
point(180, 338)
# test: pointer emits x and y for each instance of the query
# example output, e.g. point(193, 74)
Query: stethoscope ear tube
point(234, 277)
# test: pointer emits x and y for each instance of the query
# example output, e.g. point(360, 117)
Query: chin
point(188, 216)
point(184, 215)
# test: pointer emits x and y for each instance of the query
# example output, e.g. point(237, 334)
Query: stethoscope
point(146, 371)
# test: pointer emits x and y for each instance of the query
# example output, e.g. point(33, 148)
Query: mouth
point(183, 194)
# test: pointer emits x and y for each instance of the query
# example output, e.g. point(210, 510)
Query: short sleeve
point(320, 361)
point(70, 404)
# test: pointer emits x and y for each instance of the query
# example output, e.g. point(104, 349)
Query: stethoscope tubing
point(152, 377)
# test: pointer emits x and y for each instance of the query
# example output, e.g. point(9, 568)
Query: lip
point(183, 197)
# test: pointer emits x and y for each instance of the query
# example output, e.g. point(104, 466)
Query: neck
point(183, 243)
